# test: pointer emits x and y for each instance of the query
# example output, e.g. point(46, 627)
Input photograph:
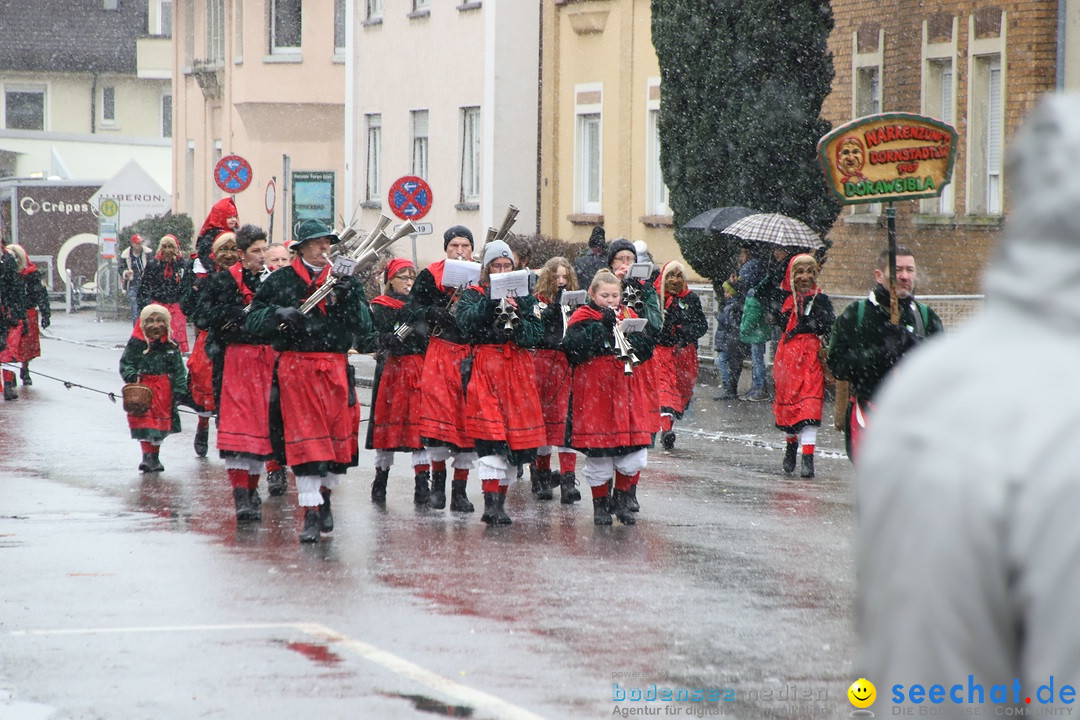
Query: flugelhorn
point(624, 351)
point(633, 298)
point(507, 316)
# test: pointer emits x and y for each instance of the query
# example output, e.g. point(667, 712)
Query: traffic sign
point(232, 174)
point(422, 228)
point(410, 197)
point(271, 196)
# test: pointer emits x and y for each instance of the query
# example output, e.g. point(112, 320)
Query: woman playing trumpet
point(611, 419)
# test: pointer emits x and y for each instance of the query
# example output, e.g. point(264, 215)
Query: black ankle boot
point(202, 441)
point(244, 511)
point(546, 482)
point(421, 492)
point(488, 516)
point(790, 453)
point(631, 499)
point(310, 533)
point(10, 392)
point(807, 466)
point(24, 375)
point(601, 511)
point(667, 439)
point(256, 501)
point(458, 501)
point(501, 518)
point(534, 478)
point(378, 486)
point(276, 482)
point(568, 488)
point(147, 464)
point(622, 512)
point(155, 463)
point(326, 516)
point(437, 497)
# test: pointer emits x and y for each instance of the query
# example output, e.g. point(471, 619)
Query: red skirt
point(553, 380)
point(650, 394)
point(502, 404)
point(178, 326)
point(244, 416)
point(30, 338)
point(799, 379)
point(442, 404)
point(319, 422)
point(201, 375)
point(397, 408)
point(676, 372)
point(608, 408)
point(160, 416)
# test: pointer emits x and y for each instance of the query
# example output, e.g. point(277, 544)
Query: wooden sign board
point(886, 157)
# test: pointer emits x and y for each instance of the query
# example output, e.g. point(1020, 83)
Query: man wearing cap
point(430, 309)
point(132, 262)
point(313, 380)
point(588, 265)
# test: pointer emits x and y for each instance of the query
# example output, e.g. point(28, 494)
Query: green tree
point(743, 82)
point(152, 229)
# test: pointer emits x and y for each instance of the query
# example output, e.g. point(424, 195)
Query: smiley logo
point(862, 693)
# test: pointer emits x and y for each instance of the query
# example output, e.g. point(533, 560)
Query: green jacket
point(476, 318)
point(857, 348)
point(163, 358)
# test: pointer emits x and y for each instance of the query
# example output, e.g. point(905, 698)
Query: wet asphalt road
point(136, 596)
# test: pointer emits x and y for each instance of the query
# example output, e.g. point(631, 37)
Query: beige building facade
point(262, 80)
point(448, 92)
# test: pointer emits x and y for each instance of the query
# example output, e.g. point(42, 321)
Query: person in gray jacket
point(967, 484)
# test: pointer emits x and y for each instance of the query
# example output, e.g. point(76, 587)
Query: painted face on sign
point(850, 157)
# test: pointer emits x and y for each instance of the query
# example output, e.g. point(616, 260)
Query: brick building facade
point(978, 66)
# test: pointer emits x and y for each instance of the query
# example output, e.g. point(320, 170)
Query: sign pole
point(890, 225)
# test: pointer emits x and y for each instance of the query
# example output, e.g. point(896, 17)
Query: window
point(588, 103)
point(339, 26)
point(108, 104)
point(161, 18)
point(374, 157)
point(938, 102)
point(215, 31)
point(867, 91)
point(24, 108)
point(166, 115)
point(421, 5)
point(866, 66)
point(112, 4)
point(420, 143)
point(284, 26)
point(656, 201)
point(986, 132)
point(374, 9)
point(470, 155)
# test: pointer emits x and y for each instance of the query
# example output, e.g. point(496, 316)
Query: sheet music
point(640, 270)
point(573, 298)
point(630, 325)
point(510, 284)
point(460, 272)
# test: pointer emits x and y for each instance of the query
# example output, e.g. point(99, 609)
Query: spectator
point(866, 344)
point(587, 265)
point(966, 483)
point(132, 263)
point(730, 351)
point(751, 276)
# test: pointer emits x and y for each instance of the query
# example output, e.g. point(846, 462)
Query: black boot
point(422, 493)
point(147, 464)
point(256, 501)
point(24, 375)
point(202, 441)
point(277, 482)
point(601, 511)
point(310, 533)
point(631, 499)
point(10, 392)
point(378, 486)
point(244, 511)
point(546, 483)
point(326, 517)
point(667, 439)
point(807, 466)
point(458, 501)
point(622, 512)
point(568, 488)
point(155, 463)
point(534, 478)
point(488, 516)
point(501, 518)
point(790, 453)
point(437, 497)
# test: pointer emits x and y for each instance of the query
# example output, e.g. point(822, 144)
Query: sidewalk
point(739, 421)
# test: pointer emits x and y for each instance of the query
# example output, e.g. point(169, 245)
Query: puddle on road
point(435, 707)
point(315, 652)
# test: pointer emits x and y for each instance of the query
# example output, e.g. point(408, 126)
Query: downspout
point(93, 105)
point(539, 117)
point(1060, 64)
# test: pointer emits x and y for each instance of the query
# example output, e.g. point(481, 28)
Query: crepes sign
point(891, 156)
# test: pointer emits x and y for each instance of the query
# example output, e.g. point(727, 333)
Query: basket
point(137, 398)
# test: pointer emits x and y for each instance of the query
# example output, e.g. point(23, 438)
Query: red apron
point(319, 423)
point(799, 380)
point(553, 380)
point(502, 403)
point(177, 326)
point(160, 414)
point(14, 339)
point(201, 374)
point(397, 408)
point(650, 395)
point(609, 408)
point(676, 372)
point(442, 405)
point(244, 416)
point(30, 339)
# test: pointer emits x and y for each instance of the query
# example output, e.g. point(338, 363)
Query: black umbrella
point(717, 219)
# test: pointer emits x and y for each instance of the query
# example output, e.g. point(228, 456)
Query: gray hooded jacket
point(968, 483)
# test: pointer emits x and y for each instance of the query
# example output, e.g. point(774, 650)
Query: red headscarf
point(219, 215)
point(168, 270)
point(394, 267)
point(795, 302)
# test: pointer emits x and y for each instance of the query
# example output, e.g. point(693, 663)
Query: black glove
point(45, 321)
point(290, 319)
point(607, 316)
point(234, 316)
point(438, 315)
point(388, 342)
point(898, 340)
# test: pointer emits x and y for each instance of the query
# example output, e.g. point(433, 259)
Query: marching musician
point(502, 408)
point(442, 406)
point(244, 369)
point(676, 366)
point(611, 418)
point(277, 256)
point(313, 379)
point(396, 391)
point(553, 380)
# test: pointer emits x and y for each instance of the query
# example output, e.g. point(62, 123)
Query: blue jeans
point(133, 298)
point(757, 367)
point(722, 366)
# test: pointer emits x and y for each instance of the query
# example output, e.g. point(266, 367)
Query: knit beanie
point(494, 250)
point(457, 231)
point(618, 246)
